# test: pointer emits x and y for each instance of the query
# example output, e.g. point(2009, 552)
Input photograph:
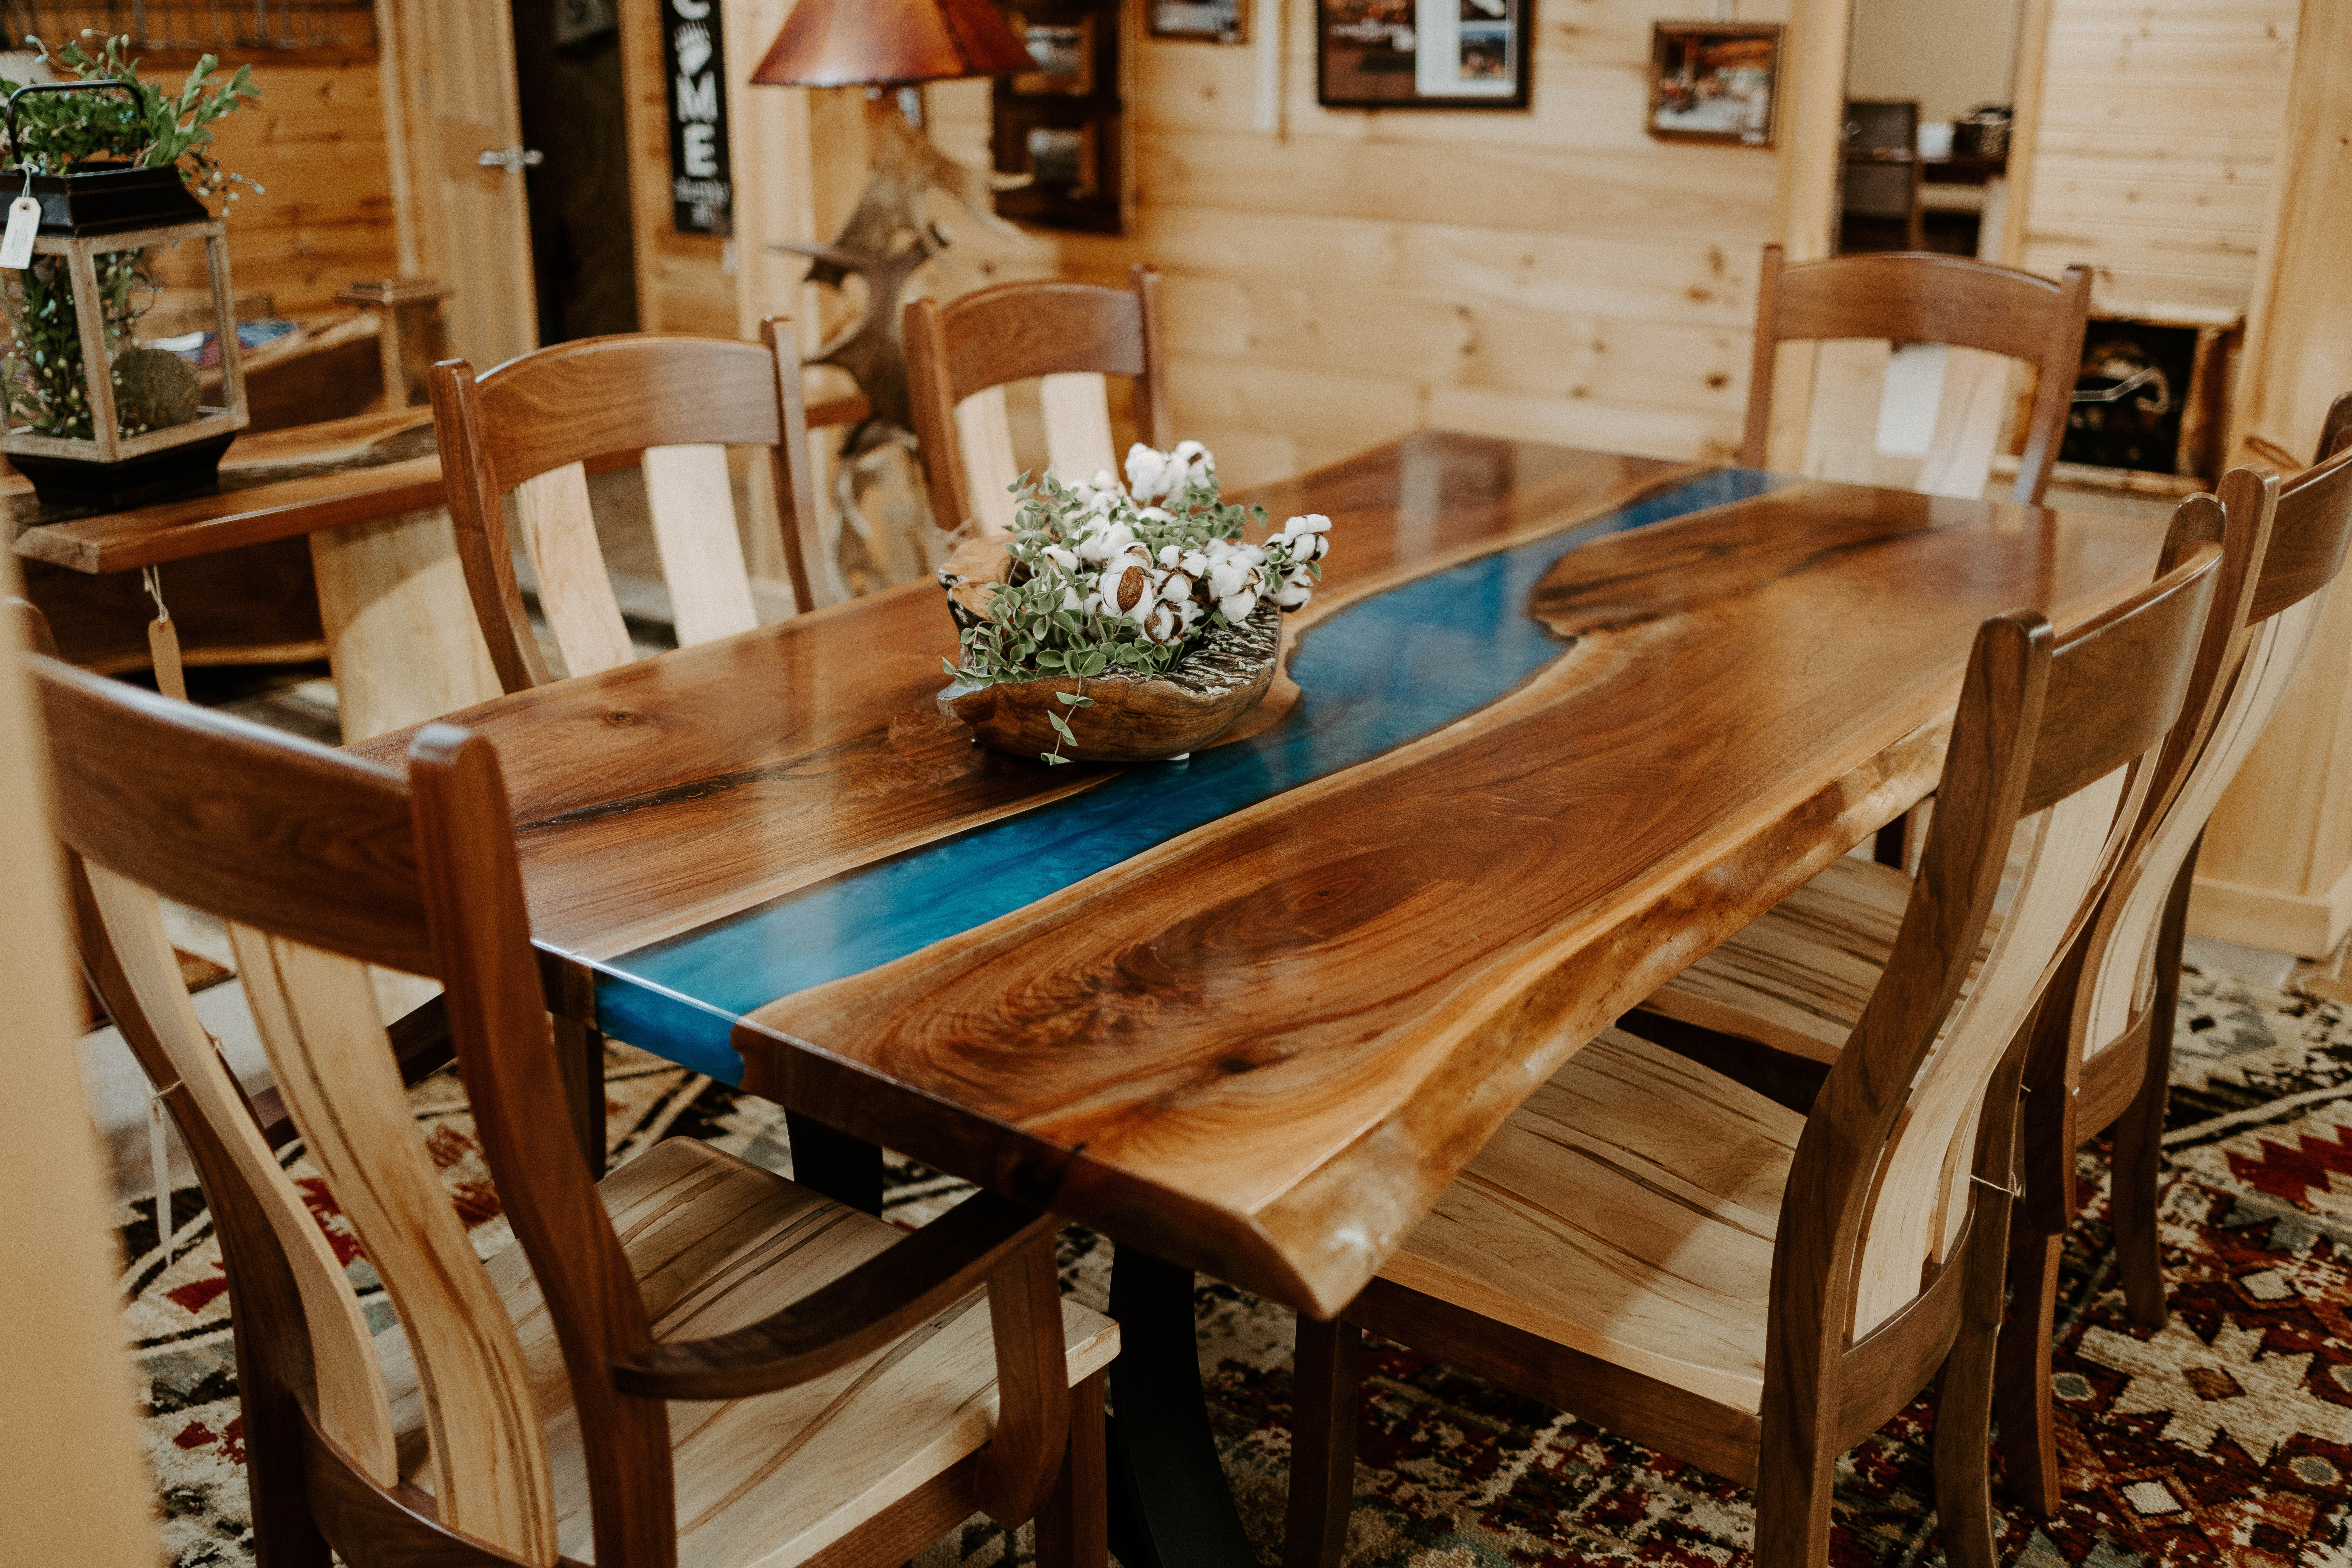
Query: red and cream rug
point(2225, 1438)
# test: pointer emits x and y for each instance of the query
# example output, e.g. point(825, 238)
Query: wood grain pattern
point(351, 1404)
point(536, 424)
point(250, 513)
point(1470, 1022)
point(691, 785)
point(558, 529)
point(960, 355)
point(484, 1366)
point(316, 1016)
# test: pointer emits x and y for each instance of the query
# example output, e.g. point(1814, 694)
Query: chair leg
point(580, 1055)
point(1964, 1399)
point(1793, 1503)
point(2029, 1444)
point(1324, 1391)
point(1073, 1527)
point(2138, 1168)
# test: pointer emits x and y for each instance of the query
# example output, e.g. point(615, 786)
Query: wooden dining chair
point(1667, 1252)
point(961, 354)
point(1856, 306)
point(1794, 981)
point(844, 1392)
point(537, 425)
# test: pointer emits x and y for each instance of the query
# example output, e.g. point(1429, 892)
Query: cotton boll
point(1105, 482)
point(1070, 600)
point(1149, 474)
point(1194, 564)
point(1297, 587)
point(1162, 624)
point(1170, 554)
point(1067, 560)
point(1237, 606)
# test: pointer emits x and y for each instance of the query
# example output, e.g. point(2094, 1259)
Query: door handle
point(513, 159)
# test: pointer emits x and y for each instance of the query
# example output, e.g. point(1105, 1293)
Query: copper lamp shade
point(872, 43)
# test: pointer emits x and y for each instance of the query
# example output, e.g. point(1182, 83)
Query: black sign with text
point(701, 198)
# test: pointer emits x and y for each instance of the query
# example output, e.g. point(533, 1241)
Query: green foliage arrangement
point(140, 127)
point(1112, 581)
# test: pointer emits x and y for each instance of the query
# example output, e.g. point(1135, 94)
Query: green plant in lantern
point(140, 127)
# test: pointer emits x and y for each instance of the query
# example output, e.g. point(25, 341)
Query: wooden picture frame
point(1198, 21)
point(1424, 54)
point(1715, 81)
point(1066, 124)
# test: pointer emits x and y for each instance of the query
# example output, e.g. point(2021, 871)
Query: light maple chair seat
point(717, 1244)
point(1797, 978)
point(1627, 1211)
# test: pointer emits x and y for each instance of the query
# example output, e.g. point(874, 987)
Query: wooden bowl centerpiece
point(1123, 624)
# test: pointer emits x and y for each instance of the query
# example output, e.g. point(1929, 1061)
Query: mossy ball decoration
point(154, 389)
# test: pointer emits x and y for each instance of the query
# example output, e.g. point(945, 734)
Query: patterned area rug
point(2225, 1438)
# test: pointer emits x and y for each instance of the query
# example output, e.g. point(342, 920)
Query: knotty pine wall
point(2160, 128)
point(317, 144)
point(1552, 273)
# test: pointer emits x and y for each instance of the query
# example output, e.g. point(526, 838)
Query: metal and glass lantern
point(95, 415)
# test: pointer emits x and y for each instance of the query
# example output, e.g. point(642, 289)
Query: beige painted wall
point(1953, 55)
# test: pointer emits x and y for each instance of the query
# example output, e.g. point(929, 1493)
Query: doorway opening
point(572, 103)
point(1928, 91)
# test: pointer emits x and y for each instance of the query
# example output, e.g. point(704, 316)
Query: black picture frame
point(1424, 54)
point(1066, 124)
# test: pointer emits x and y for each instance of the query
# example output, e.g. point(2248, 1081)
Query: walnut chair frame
point(1780, 995)
point(538, 424)
point(961, 354)
point(1886, 1257)
point(1917, 298)
point(322, 865)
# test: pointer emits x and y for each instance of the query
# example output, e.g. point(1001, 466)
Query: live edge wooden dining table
point(1567, 719)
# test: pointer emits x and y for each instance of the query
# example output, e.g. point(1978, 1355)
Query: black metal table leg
point(1170, 1506)
point(846, 1169)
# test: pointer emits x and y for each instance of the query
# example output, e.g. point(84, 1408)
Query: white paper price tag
point(24, 223)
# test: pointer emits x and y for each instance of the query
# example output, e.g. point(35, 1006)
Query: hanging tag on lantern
point(24, 223)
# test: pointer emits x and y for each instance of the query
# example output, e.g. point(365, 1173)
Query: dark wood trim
point(375, 1526)
point(858, 1313)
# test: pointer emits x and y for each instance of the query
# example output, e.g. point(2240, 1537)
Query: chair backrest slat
point(313, 857)
point(536, 425)
point(2052, 751)
point(351, 1389)
point(693, 505)
point(2305, 526)
point(558, 531)
point(316, 1015)
point(962, 353)
point(1076, 406)
point(983, 435)
point(1918, 298)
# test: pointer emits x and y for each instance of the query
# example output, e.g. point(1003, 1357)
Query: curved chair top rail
point(1016, 330)
point(2312, 526)
point(1928, 297)
point(614, 397)
point(250, 823)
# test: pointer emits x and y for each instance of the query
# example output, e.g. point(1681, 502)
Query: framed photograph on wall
point(1422, 54)
point(1715, 81)
point(1204, 21)
point(1065, 123)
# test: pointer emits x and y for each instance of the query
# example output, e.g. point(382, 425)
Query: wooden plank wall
point(2160, 128)
point(1553, 274)
point(316, 141)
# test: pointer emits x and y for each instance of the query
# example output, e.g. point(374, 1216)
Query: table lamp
point(880, 44)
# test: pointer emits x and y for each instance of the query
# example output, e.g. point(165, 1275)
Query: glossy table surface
point(1568, 721)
